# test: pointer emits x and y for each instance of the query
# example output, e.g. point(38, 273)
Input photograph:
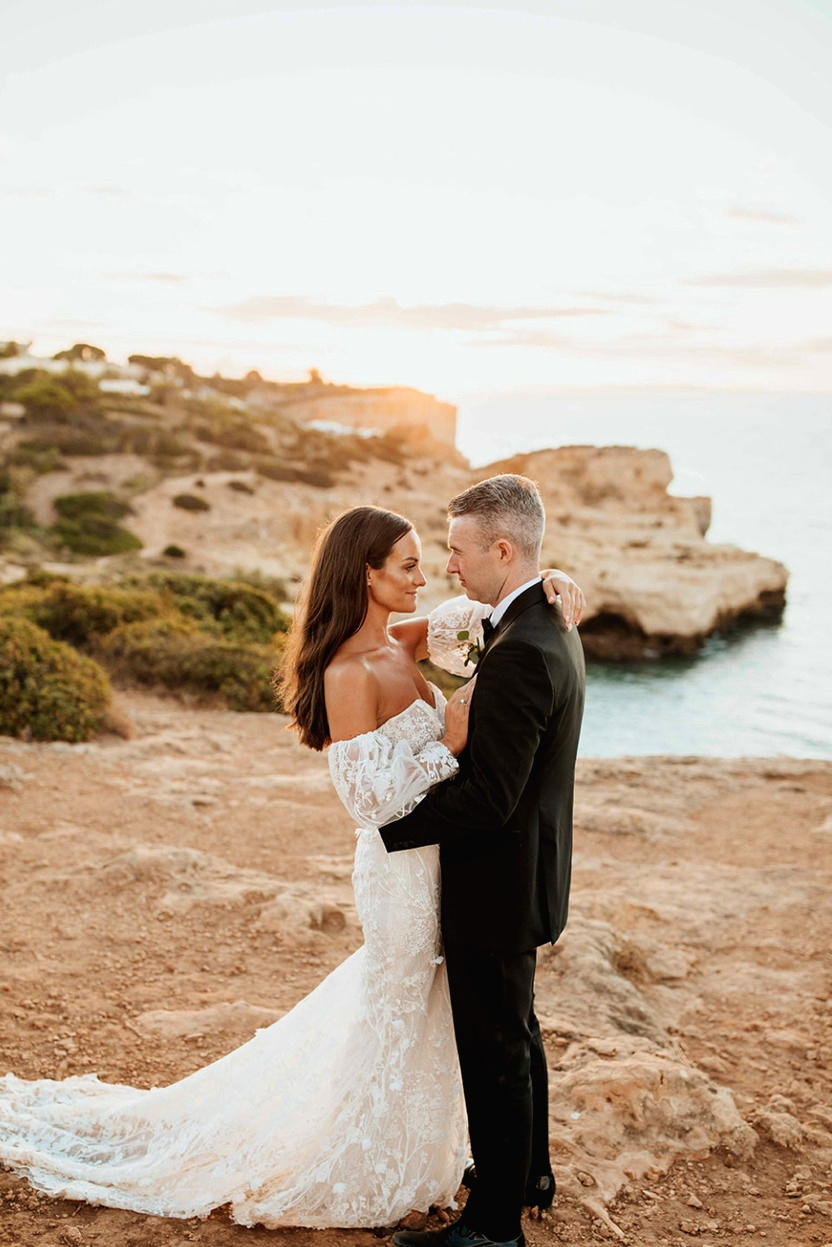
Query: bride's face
point(396, 584)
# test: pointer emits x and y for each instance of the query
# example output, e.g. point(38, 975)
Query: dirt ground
point(165, 895)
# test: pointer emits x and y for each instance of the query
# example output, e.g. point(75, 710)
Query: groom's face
point(478, 565)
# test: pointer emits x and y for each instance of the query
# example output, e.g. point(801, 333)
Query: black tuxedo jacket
point(504, 822)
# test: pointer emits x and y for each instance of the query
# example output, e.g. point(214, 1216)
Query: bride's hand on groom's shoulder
point(557, 584)
point(456, 718)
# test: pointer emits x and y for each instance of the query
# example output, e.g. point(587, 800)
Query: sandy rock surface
point(165, 896)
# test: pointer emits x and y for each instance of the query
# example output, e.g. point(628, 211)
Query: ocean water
point(766, 461)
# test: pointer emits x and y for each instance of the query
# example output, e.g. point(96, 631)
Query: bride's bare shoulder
point(351, 692)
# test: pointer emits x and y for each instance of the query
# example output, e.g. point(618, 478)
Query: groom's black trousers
point(505, 1081)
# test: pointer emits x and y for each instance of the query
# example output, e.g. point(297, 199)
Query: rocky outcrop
point(654, 584)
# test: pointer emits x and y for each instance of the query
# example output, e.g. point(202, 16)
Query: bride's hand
point(573, 603)
point(456, 718)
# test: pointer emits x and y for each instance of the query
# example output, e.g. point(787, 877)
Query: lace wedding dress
point(348, 1111)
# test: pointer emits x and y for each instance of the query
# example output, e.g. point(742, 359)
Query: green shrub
point(79, 614)
point(161, 443)
point(174, 552)
point(190, 502)
point(99, 503)
point(229, 608)
point(13, 514)
point(41, 456)
point(174, 654)
point(47, 690)
point(320, 478)
point(95, 537)
point(233, 436)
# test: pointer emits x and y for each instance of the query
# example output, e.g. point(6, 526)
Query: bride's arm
point(572, 601)
point(377, 779)
point(413, 634)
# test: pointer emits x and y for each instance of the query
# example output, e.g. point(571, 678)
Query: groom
point(504, 826)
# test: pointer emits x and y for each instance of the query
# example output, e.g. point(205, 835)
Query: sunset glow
point(465, 200)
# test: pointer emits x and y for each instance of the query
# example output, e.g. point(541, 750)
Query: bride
point(348, 1111)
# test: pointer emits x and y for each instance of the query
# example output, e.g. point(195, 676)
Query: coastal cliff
point(238, 476)
point(654, 584)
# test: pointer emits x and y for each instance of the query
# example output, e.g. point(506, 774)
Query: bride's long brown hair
point(332, 608)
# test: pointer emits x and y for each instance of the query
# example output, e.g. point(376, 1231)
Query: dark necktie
point(487, 631)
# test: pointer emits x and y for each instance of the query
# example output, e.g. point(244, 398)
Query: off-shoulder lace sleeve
point(379, 780)
point(455, 634)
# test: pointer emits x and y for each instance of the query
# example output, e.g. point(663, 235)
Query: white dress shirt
point(504, 603)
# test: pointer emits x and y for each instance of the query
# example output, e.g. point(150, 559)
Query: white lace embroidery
point(444, 625)
point(348, 1111)
point(384, 774)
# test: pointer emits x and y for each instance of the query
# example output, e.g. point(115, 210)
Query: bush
point(277, 471)
point(190, 502)
point(228, 608)
point(174, 552)
point(173, 653)
point(99, 503)
point(41, 456)
point(79, 614)
point(13, 514)
point(47, 690)
point(88, 524)
point(95, 537)
point(233, 436)
point(48, 397)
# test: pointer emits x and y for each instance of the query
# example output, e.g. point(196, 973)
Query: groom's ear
point(505, 549)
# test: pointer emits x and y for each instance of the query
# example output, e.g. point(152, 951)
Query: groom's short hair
point(505, 506)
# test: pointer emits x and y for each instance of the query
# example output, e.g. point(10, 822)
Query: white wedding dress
point(348, 1111)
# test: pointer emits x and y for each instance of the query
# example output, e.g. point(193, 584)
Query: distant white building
point(127, 386)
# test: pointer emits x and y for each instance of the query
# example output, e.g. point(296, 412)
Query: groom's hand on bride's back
point(456, 718)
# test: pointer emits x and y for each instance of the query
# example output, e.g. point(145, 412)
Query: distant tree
point(252, 378)
point(83, 352)
point(56, 398)
point(315, 377)
point(11, 350)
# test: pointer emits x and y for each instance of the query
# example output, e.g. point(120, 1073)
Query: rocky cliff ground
point(165, 895)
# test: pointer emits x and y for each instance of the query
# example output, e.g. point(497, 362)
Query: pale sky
point(465, 199)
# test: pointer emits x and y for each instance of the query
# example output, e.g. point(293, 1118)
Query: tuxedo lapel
point(530, 597)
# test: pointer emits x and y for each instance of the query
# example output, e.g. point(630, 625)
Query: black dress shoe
point(540, 1192)
point(456, 1235)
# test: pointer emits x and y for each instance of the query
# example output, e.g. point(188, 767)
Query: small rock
point(11, 776)
point(414, 1221)
point(695, 1202)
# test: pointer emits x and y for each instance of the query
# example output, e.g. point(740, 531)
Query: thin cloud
point(761, 216)
point(768, 279)
point(170, 279)
point(110, 192)
point(647, 346)
point(27, 192)
point(387, 313)
point(624, 297)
